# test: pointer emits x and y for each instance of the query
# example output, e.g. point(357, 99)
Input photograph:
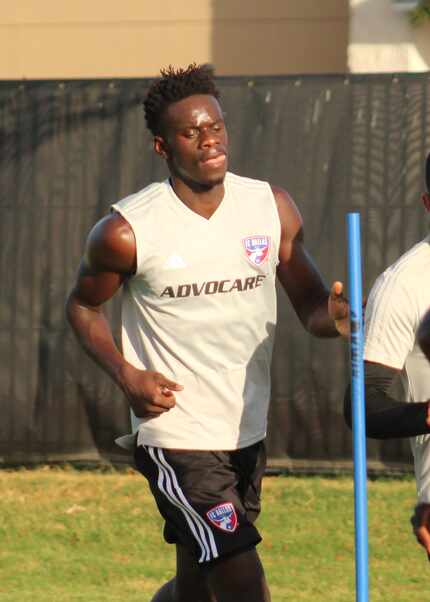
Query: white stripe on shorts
point(169, 486)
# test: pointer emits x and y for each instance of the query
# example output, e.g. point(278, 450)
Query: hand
point(338, 309)
point(420, 522)
point(149, 393)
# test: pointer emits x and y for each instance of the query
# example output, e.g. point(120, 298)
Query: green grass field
point(68, 535)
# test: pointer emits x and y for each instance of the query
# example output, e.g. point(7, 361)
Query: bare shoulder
point(111, 245)
point(289, 215)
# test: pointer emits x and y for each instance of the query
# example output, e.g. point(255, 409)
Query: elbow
point(374, 432)
point(372, 423)
point(73, 309)
point(78, 313)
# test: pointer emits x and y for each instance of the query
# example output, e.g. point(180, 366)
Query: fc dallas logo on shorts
point(257, 248)
point(224, 517)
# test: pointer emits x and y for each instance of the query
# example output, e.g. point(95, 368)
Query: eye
point(190, 133)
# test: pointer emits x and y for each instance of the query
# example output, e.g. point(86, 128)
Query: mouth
point(214, 160)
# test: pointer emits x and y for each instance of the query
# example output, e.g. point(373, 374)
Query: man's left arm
point(322, 312)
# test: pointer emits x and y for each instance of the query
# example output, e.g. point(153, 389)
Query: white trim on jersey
point(169, 486)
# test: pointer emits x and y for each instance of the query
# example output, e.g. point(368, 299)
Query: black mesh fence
point(71, 148)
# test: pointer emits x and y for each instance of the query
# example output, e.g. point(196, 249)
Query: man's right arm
point(109, 259)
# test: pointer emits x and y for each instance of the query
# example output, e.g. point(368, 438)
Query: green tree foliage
point(420, 14)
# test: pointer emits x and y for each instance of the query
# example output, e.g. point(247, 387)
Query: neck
point(203, 200)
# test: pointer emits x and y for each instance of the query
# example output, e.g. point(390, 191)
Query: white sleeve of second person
point(390, 323)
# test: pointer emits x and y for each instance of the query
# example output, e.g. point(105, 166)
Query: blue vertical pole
point(358, 408)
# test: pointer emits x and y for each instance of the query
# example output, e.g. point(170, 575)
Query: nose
point(208, 138)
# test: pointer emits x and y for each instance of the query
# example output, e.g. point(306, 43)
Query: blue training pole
point(358, 408)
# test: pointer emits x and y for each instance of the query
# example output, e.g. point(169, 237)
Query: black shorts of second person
point(208, 499)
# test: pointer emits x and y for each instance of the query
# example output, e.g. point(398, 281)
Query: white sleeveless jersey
point(397, 303)
point(201, 309)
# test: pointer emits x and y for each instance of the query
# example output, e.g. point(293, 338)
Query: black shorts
point(208, 499)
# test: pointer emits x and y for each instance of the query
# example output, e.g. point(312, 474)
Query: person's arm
point(109, 259)
point(322, 312)
point(386, 417)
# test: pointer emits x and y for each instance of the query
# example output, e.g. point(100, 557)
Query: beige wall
point(383, 40)
point(134, 38)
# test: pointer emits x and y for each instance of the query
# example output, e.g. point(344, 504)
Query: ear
point(160, 147)
point(426, 200)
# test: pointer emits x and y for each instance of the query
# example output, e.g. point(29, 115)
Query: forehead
point(193, 110)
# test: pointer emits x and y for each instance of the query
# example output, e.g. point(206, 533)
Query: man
point(197, 256)
point(397, 303)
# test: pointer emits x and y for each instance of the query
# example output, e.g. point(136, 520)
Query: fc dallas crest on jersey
point(257, 248)
point(224, 517)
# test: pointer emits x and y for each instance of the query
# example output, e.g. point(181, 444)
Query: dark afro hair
point(174, 85)
point(427, 173)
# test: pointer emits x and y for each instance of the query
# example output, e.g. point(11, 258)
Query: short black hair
point(427, 173)
point(174, 85)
